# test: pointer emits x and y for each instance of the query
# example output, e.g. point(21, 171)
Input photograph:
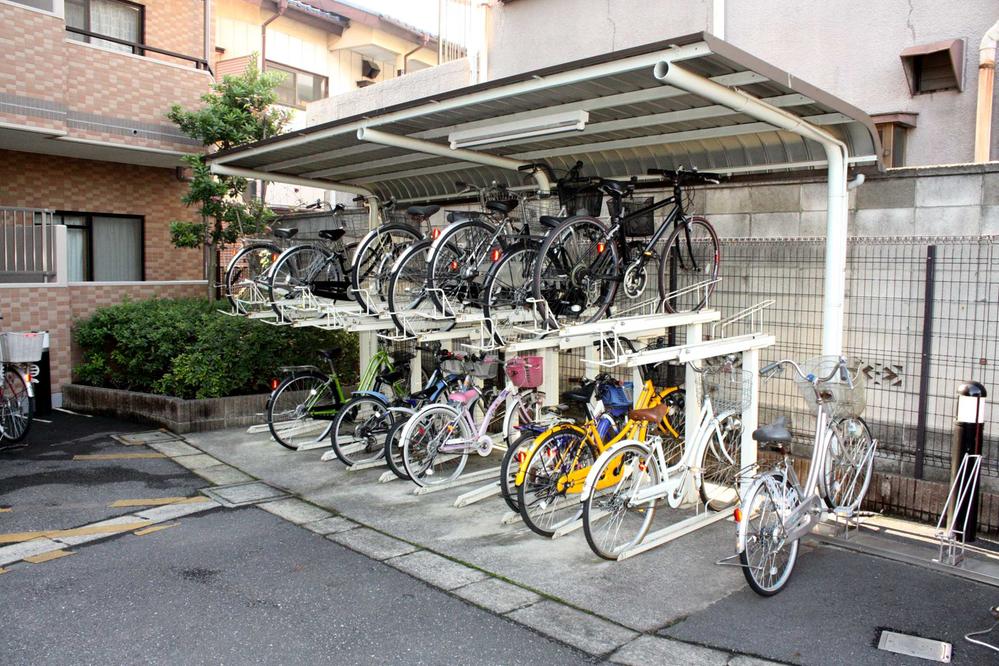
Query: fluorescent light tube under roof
point(556, 123)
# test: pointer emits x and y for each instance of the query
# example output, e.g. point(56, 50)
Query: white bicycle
point(628, 480)
point(777, 510)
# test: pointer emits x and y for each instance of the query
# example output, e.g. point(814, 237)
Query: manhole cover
point(137, 438)
point(242, 494)
point(915, 646)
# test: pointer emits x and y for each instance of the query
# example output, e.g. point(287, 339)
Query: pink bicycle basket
point(525, 371)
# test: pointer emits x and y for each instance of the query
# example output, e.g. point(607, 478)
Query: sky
point(420, 13)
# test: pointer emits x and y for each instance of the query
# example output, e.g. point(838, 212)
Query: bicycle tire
point(509, 468)
point(244, 272)
point(371, 265)
point(605, 513)
point(359, 430)
point(718, 476)
point(767, 511)
point(673, 255)
point(527, 406)
point(508, 287)
point(564, 277)
point(461, 247)
point(393, 448)
point(17, 406)
point(295, 268)
point(848, 456)
point(425, 433)
point(544, 506)
point(311, 380)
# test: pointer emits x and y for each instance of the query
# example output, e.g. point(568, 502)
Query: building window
point(298, 87)
point(103, 248)
point(893, 130)
point(111, 18)
point(44, 5)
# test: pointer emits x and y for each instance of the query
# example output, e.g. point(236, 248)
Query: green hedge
point(186, 348)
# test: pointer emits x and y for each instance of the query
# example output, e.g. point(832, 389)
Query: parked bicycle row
point(541, 270)
point(601, 460)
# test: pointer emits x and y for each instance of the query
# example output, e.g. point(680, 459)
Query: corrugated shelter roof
point(634, 123)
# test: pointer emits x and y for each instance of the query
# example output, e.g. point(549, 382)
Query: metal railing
point(139, 49)
point(27, 247)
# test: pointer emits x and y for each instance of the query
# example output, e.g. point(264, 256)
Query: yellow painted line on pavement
point(6, 509)
point(155, 528)
point(45, 557)
point(157, 501)
point(117, 456)
point(2, 571)
point(17, 537)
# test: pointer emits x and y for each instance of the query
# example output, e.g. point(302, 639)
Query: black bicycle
point(583, 261)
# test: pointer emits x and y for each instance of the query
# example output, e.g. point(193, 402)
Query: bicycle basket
point(355, 221)
point(534, 209)
point(643, 225)
point(483, 369)
point(841, 399)
point(730, 389)
point(453, 366)
point(21, 347)
point(525, 371)
point(580, 198)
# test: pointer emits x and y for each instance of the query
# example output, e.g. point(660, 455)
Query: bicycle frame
point(26, 378)
point(479, 430)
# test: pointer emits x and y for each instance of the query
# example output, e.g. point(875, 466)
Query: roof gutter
point(836, 159)
point(986, 80)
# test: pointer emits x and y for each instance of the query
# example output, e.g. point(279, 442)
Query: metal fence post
point(924, 365)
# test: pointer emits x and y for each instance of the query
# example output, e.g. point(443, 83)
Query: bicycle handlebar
point(775, 367)
point(682, 175)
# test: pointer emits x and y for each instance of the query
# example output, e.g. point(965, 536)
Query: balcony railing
point(199, 63)
point(27, 247)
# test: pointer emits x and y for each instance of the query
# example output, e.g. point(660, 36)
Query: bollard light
point(969, 427)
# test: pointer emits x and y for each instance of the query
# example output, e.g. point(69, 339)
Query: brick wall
point(175, 25)
point(62, 183)
point(37, 40)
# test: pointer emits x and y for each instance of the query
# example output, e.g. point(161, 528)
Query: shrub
point(185, 348)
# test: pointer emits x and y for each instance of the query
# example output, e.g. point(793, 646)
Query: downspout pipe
point(441, 150)
point(208, 34)
point(986, 81)
point(282, 7)
point(370, 197)
point(836, 158)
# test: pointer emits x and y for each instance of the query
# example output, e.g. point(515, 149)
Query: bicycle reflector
point(737, 514)
point(435, 233)
point(454, 264)
point(496, 254)
point(601, 247)
point(274, 384)
point(521, 456)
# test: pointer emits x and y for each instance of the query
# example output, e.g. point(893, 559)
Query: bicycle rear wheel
point(294, 271)
point(407, 293)
point(512, 459)
point(846, 471)
point(371, 266)
point(301, 409)
point(553, 477)
point(689, 266)
point(507, 290)
point(718, 481)
point(17, 406)
point(578, 272)
point(360, 429)
point(456, 264)
point(435, 445)
point(767, 556)
point(244, 273)
point(610, 522)
point(393, 447)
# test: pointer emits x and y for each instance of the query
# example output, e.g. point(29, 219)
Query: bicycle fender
point(591, 478)
point(537, 442)
point(370, 394)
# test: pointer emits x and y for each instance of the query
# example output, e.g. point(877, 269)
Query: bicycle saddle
point(502, 207)
point(774, 433)
point(422, 211)
point(551, 221)
point(462, 215)
point(332, 234)
point(465, 397)
point(652, 414)
point(581, 394)
point(615, 188)
point(285, 233)
point(331, 354)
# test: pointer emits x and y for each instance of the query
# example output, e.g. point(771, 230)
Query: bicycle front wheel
point(293, 272)
point(689, 266)
point(767, 556)
point(359, 430)
point(457, 264)
point(613, 521)
point(846, 471)
point(718, 481)
point(244, 273)
point(435, 445)
point(408, 302)
point(371, 266)
point(393, 447)
point(507, 290)
point(578, 272)
point(553, 477)
point(17, 406)
point(301, 409)
point(512, 459)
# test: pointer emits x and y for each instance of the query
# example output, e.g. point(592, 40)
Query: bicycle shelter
point(690, 101)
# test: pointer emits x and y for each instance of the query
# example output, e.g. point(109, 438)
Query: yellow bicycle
point(552, 473)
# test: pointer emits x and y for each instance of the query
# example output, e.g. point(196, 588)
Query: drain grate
point(136, 438)
point(244, 494)
point(915, 646)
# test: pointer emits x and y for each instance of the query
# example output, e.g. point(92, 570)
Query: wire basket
point(534, 209)
point(841, 398)
point(581, 198)
point(643, 225)
point(354, 221)
point(21, 347)
point(525, 371)
point(730, 389)
point(484, 368)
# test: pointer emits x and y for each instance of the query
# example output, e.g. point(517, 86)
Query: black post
point(969, 427)
point(924, 365)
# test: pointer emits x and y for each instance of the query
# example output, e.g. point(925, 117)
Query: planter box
point(175, 414)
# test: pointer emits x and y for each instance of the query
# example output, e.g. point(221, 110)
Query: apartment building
point(88, 160)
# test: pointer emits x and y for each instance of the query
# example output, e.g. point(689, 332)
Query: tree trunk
point(211, 265)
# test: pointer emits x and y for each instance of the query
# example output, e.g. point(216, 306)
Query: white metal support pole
point(836, 234)
point(550, 379)
point(590, 357)
point(367, 346)
point(416, 371)
point(692, 385)
point(750, 417)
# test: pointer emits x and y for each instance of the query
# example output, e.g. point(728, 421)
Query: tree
point(238, 110)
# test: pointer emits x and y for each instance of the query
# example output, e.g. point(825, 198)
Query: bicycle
point(362, 428)
point(628, 479)
point(438, 439)
point(554, 471)
point(19, 353)
point(583, 261)
point(778, 510)
point(302, 406)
